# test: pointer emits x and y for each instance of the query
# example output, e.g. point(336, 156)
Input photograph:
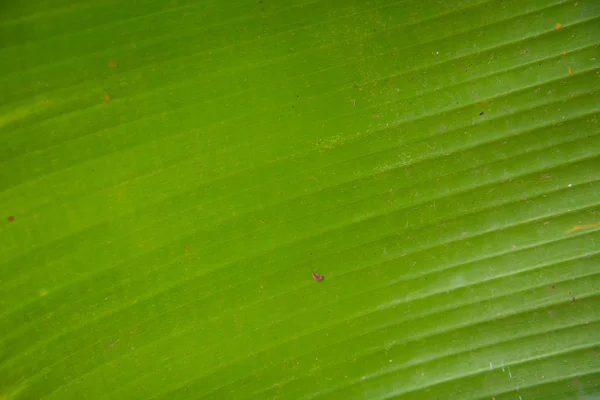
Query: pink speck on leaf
point(317, 277)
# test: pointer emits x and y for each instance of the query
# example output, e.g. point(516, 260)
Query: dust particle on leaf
point(317, 277)
point(11, 218)
point(558, 25)
point(481, 113)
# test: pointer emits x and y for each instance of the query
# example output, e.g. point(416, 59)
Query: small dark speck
point(573, 299)
point(292, 106)
point(297, 96)
point(317, 277)
point(481, 113)
point(553, 287)
point(11, 218)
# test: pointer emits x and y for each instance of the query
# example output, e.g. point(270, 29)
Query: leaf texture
point(174, 173)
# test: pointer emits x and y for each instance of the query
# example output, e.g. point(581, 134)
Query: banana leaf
point(300, 199)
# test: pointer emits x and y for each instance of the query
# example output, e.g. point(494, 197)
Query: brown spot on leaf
point(113, 63)
point(570, 71)
point(558, 25)
point(580, 227)
point(106, 97)
point(187, 249)
point(317, 277)
point(11, 218)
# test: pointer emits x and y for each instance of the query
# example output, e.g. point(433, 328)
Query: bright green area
point(177, 170)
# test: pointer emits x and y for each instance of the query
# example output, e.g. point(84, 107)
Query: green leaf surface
point(172, 173)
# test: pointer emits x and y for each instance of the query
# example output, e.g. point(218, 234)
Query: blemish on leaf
point(187, 249)
point(558, 25)
point(113, 63)
point(106, 97)
point(570, 71)
point(317, 277)
point(11, 218)
point(581, 227)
